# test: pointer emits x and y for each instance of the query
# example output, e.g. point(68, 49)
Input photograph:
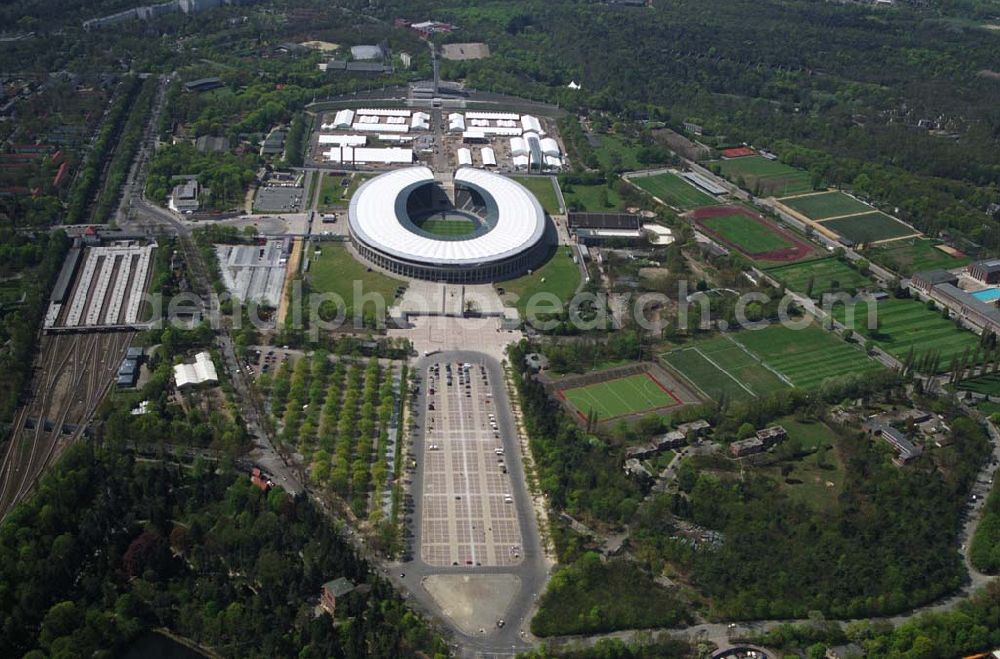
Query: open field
point(617, 154)
point(333, 194)
point(751, 234)
point(674, 190)
point(807, 356)
point(828, 275)
point(914, 255)
point(633, 394)
point(332, 269)
point(768, 177)
point(809, 482)
point(542, 188)
point(720, 367)
point(826, 205)
point(559, 276)
point(591, 197)
point(868, 227)
point(448, 228)
point(906, 324)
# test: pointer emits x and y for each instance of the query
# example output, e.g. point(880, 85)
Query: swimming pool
point(988, 294)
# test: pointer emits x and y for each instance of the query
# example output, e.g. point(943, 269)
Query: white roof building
point(488, 156)
point(343, 140)
point(200, 372)
point(518, 146)
point(456, 123)
point(520, 162)
point(493, 115)
point(550, 147)
point(381, 128)
point(363, 155)
point(374, 219)
point(420, 121)
point(343, 119)
point(464, 157)
point(531, 124)
point(553, 162)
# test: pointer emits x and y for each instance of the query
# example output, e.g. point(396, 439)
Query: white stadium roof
point(377, 217)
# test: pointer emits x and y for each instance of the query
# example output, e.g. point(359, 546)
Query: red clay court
point(751, 234)
point(738, 152)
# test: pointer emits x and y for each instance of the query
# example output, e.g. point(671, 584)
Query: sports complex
point(404, 222)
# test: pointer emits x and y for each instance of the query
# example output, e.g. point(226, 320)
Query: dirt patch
point(465, 51)
point(473, 602)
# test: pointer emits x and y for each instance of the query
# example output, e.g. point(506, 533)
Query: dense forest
point(110, 548)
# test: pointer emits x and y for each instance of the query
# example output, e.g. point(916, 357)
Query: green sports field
point(905, 324)
point(620, 397)
point(768, 177)
point(674, 191)
point(869, 227)
point(720, 367)
point(806, 356)
point(914, 255)
point(828, 275)
point(826, 205)
point(591, 198)
point(752, 363)
point(751, 236)
point(449, 227)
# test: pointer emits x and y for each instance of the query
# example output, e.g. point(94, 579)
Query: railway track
point(76, 372)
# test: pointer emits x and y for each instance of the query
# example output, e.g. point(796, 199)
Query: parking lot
point(468, 516)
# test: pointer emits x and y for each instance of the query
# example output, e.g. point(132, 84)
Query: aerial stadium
point(404, 222)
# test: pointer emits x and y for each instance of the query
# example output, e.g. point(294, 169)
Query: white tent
point(201, 371)
point(456, 123)
point(464, 157)
point(518, 146)
point(488, 156)
point(550, 147)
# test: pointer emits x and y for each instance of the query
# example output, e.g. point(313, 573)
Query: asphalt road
point(531, 570)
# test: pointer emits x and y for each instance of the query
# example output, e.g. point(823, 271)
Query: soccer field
point(869, 227)
point(826, 205)
point(720, 367)
point(448, 228)
point(906, 324)
point(746, 233)
point(828, 275)
point(754, 363)
point(674, 191)
point(769, 177)
point(620, 397)
point(806, 356)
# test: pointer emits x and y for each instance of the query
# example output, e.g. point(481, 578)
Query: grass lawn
point(674, 191)
point(807, 356)
point(618, 154)
point(769, 177)
point(448, 228)
point(869, 227)
point(559, 276)
point(745, 232)
point(719, 367)
point(808, 482)
point(543, 189)
point(828, 275)
point(620, 397)
point(906, 324)
point(591, 197)
point(333, 270)
point(332, 194)
point(914, 255)
point(826, 204)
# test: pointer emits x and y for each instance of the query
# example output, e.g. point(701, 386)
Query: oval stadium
point(487, 229)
